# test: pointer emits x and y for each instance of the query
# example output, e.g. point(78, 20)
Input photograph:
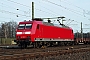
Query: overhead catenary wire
point(74, 6)
point(66, 8)
point(29, 7)
point(71, 20)
point(8, 11)
point(10, 7)
point(69, 3)
point(25, 12)
point(54, 13)
point(45, 11)
point(19, 3)
point(38, 9)
point(1, 17)
point(62, 7)
point(4, 11)
point(74, 21)
point(52, 18)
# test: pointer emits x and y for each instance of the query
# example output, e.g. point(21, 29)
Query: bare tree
point(0, 30)
point(8, 29)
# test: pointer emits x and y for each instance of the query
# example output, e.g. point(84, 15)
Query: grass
point(8, 41)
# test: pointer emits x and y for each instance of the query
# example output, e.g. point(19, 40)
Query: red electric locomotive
point(39, 33)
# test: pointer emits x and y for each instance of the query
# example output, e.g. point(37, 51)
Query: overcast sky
point(75, 11)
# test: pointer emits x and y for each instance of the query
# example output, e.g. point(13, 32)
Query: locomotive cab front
point(23, 33)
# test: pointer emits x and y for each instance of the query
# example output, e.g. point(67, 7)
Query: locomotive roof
point(51, 24)
point(28, 22)
point(45, 23)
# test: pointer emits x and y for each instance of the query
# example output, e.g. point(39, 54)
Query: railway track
point(27, 54)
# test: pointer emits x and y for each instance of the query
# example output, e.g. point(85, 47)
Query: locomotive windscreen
point(25, 26)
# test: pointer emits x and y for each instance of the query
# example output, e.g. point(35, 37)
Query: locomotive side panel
point(52, 32)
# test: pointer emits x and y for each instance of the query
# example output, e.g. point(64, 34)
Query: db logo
point(23, 32)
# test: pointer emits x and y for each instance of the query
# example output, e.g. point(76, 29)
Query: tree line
point(8, 29)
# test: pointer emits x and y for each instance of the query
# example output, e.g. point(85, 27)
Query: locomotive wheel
point(62, 43)
point(22, 45)
point(48, 44)
point(36, 45)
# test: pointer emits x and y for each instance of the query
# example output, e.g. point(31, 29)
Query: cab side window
point(38, 26)
point(72, 31)
point(28, 26)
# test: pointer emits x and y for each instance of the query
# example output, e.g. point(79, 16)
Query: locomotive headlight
point(19, 32)
point(27, 32)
